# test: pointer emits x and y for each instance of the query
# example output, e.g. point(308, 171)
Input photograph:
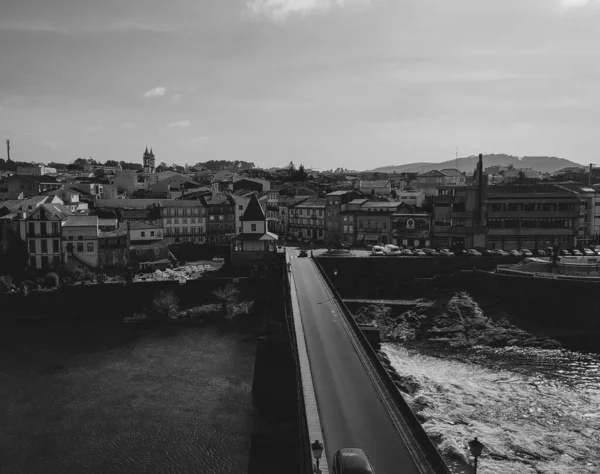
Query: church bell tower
point(149, 161)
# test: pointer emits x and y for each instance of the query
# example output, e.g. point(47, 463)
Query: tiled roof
point(377, 205)
point(432, 173)
point(126, 203)
point(81, 221)
point(375, 184)
point(310, 202)
point(254, 211)
point(142, 225)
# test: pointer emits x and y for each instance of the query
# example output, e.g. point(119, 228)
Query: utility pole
point(8, 151)
point(590, 176)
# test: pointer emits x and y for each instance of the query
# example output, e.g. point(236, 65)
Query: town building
point(250, 184)
point(35, 169)
point(374, 222)
point(140, 232)
point(43, 235)
point(255, 242)
point(241, 203)
point(337, 203)
point(531, 216)
point(379, 187)
point(19, 187)
point(221, 222)
point(588, 232)
point(80, 241)
point(149, 161)
point(183, 221)
point(431, 181)
point(307, 219)
point(411, 230)
point(412, 198)
point(289, 195)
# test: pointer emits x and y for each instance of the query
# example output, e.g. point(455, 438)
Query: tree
point(166, 304)
point(300, 174)
point(111, 163)
point(291, 170)
point(228, 297)
point(394, 193)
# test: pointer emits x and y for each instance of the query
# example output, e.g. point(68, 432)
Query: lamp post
point(317, 449)
point(476, 449)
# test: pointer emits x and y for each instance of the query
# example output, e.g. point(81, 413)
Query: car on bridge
point(302, 253)
point(351, 461)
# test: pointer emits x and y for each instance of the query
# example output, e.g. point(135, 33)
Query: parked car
point(431, 252)
point(391, 249)
point(588, 252)
point(526, 253)
point(406, 252)
point(472, 253)
point(377, 250)
point(565, 253)
point(597, 252)
point(419, 253)
point(514, 253)
point(302, 253)
point(351, 461)
point(460, 253)
point(577, 253)
point(540, 253)
point(446, 253)
point(501, 253)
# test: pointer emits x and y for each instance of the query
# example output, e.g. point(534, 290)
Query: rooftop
point(377, 205)
point(311, 202)
point(81, 221)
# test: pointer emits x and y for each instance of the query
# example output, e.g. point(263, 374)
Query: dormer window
point(253, 227)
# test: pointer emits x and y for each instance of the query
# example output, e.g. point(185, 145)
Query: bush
point(40, 282)
point(166, 304)
point(6, 283)
point(51, 280)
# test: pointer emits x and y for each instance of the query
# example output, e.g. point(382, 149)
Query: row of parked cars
point(478, 252)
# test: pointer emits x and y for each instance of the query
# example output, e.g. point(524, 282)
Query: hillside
point(545, 164)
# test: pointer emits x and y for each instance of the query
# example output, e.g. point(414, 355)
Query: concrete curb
point(312, 412)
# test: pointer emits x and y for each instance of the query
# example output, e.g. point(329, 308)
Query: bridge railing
point(304, 454)
point(433, 455)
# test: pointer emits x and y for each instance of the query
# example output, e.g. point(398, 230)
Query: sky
point(328, 83)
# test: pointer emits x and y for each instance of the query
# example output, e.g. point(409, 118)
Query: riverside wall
point(384, 277)
point(117, 300)
point(551, 303)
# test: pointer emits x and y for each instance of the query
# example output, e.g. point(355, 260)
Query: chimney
point(8, 151)
point(481, 187)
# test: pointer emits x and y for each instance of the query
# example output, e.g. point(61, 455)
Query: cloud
point(156, 92)
point(127, 126)
point(177, 97)
point(196, 143)
point(280, 10)
point(578, 3)
point(180, 124)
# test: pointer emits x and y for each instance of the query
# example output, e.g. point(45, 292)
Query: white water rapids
point(536, 411)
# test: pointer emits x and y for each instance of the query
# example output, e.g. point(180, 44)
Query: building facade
point(374, 222)
point(336, 204)
point(531, 216)
point(411, 230)
point(307, 219)
point(80, 240)
point(183, 221)
point(220, 212)
point(44, 235)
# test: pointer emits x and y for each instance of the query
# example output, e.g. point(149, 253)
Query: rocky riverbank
point(454, 319)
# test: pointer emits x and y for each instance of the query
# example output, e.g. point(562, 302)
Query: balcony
point(523, 214)
point(458, 230)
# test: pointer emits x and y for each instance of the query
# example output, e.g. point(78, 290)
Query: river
point(99, 397)
point(536, 411)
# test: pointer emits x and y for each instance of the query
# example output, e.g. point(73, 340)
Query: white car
point(419, 253)
point(391, 250)
point(377, 250)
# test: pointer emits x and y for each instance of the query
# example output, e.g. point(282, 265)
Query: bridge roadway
point(351, 410)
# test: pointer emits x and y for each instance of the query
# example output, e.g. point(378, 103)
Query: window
point(32, 246)
point(55, 229)
point(384, 225)
point(90, 246)
point(253, 227)
point(79, 237)
point(44, 246)
point(31, 228)
point(240, 208)
point(221, 218)
point(45, 263)
point(151, 233)
point(457, 223)
point(56, 246)
point(143, 233)
point(176, 221)
point(211, 218)
point(441, 222)
point(231, 217)
point(80, 246)
point(56, 261)
point(169, 221)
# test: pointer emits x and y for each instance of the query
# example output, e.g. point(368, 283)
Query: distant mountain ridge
point(545, 164)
